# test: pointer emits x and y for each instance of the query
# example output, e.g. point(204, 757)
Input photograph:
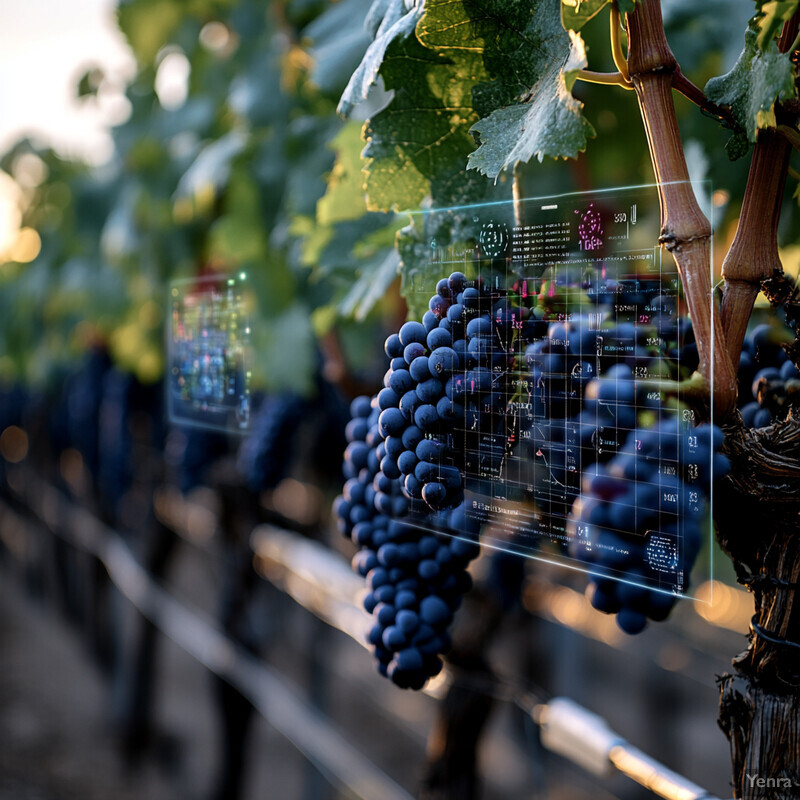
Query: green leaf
point(308, 159)
point(418, 270)
point(428, 234)
point(90, 82)
point(375, 278)
point(148, 25)
point(209, 172)
point(576, 13)
point(395, 23)
point(549, 124)
point(738, 146)
point(770, 18)
point(418, 145)
point(528, 57)
point(756, 82)
point(626, 6)
point(337, 45)
point(344, 198)
point(288, 333)
point(329, 249)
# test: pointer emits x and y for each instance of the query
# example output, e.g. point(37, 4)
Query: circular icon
point(494, 239)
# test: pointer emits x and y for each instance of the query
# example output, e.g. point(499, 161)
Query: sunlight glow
point(44, 49)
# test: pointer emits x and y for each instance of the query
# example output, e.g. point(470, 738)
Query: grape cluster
point(769, 383)
point(83, 395)
point(114, 439)
point(265, 453)
point(414, 560)
point(485, 369)
point(618, 523)
point(633, 472)
point(197, 450)
point(442, 377)
point(448, 372)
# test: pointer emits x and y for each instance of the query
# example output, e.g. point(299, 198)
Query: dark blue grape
point(443, 362)
point(360, 407)
point(391, 422)
point(457, 281)
point(400, 382)
point(438, 306)
point(393, 346)
point(439, 338)
point(412, 332)
point(413, 351)
point(455, 313)
point(419, 369)
point(429, 391)
point(434, 494)
point(387, 398)
point(409, 403)
point(429, 320)
point(426, 418)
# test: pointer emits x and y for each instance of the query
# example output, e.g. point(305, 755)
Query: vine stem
point(795, 45)
point(607, 78)
point(792, 135)
point(685, 231)
point(753, 255)
point(693, 390)
point(620, 61)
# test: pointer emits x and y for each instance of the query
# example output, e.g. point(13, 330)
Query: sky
point(45, 46)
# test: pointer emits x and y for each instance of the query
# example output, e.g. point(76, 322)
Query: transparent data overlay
point(208, 353)
point(580, 376)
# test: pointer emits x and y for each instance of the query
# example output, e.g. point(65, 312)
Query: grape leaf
point(209, 172)
point(344, 197)
point(770, 18)
point(758, 79)
point(626, 6)
point(336, 45)
point(418, 145)
point(528, 56)
point(576, 13)
point(375, 278)
point(738, 146)
point(309, 159)
point(396, 22)
point(418, 269)
point(288, 332)
point(549, 124)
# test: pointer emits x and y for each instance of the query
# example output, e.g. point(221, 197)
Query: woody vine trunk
point(758, 509)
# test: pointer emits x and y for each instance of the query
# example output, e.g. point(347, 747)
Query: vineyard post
point(758, 507)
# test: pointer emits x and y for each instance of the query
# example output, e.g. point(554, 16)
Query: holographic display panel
point(610, 342)
point(209, 353)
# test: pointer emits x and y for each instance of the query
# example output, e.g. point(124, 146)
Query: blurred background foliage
point(234, 159)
